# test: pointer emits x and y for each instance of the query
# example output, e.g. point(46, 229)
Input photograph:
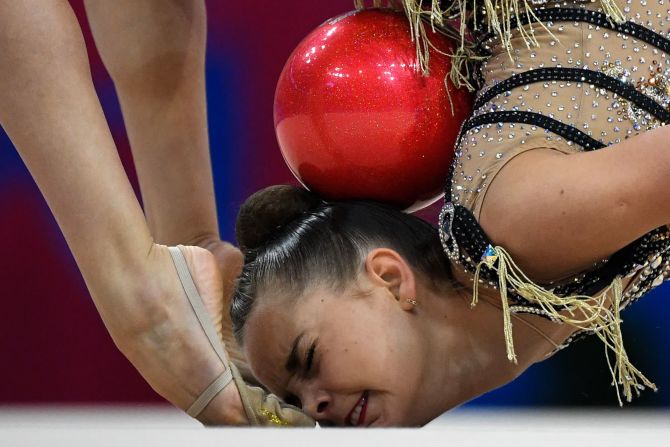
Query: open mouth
point(356, 416)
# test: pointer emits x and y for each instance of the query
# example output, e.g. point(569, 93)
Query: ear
point(386, 268)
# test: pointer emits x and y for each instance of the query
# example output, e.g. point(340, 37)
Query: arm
point(558, 214)
point(50, 111)
point(154, 51)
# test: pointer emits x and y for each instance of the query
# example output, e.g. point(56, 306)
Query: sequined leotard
point(596, 84)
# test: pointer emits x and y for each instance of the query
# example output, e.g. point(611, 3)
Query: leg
point(155, 53)
point(50, 111)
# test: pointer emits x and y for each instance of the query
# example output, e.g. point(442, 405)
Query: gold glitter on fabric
point(273, 418)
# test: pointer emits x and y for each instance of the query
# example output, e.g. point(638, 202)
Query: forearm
point(155, 53)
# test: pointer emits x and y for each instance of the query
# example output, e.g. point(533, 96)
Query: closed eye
point(309, 358)
point(292, 399)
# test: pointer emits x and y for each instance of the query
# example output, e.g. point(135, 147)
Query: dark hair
point(291, 240)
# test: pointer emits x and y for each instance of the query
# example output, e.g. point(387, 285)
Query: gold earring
point(412, 301)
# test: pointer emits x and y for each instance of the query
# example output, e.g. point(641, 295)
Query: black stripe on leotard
point(566, 131)
point(595, 18)
point(536, 119)
point(469, 235)
point(472, 241)
point(596, 78)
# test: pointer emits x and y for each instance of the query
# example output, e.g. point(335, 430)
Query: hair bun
point(269, 209)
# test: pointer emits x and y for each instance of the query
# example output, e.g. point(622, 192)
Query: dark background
point(53, 346)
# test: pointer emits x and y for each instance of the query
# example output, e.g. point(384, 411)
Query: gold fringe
point(588, 313)
point(360, 4)
point(596, 316)
point(499, 15)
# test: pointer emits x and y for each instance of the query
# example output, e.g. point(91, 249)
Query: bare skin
point(569, 211)
point(51, 113)
point(155, 53)
point(573, 210)
point(414, 362)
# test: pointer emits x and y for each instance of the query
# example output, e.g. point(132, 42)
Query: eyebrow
point(293, 362)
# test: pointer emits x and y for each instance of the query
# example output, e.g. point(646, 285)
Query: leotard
point(591, 83)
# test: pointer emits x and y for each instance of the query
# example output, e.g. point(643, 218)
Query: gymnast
point(353, 313)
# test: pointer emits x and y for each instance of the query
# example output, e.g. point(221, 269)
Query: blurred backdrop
point(53, 346)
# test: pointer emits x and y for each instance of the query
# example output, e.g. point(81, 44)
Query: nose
point(316, 403)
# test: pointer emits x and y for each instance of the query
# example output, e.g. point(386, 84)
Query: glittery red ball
point(356, 119)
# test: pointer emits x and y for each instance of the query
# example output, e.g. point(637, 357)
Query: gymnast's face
point(352, 358)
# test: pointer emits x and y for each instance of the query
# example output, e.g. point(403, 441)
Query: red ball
point(356, 119)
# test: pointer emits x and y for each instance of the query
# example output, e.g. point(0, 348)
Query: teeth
point(355, 415)
point(357, 412)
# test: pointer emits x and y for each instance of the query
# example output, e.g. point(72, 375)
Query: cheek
point(263, 360)
point(361, 356)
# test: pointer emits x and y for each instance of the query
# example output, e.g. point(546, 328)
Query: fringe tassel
point(452, 20)
point(360, 4)
point(589, 313)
